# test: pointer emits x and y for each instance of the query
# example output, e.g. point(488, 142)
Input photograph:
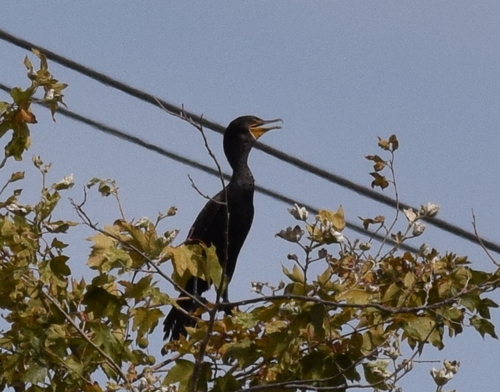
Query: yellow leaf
point(358, 297)
point(336, 218)
point(409, 280)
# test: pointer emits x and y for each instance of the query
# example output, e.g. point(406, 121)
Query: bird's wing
point(206, 217)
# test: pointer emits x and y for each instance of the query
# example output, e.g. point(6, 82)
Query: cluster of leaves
point(17, 115)
point(61, 331)
point(337, 322)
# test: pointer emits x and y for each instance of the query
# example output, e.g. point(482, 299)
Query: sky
point(339, 74)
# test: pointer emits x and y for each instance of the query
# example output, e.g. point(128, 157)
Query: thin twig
point(481, 241)
point(204, 195)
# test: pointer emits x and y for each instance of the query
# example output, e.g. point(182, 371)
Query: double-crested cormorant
point(209, 227)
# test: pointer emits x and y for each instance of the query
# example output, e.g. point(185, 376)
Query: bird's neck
point(242, 177)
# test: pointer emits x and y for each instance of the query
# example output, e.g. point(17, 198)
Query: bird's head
point(242, 133)
point(253, 125)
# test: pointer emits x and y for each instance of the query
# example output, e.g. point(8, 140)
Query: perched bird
point(223, 225)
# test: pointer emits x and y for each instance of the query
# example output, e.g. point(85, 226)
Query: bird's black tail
point(176, 321)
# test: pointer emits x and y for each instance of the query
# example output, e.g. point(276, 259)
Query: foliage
point(338, 321)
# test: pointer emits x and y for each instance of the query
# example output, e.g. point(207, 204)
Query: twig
point(204, 195)
point(391, 310)
point(476, 233)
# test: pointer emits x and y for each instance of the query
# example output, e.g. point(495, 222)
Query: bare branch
point(476, 233)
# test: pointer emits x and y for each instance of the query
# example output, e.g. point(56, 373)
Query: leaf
point(181, 373)
point(291, 234)
point(16, 176)
point(369, 221)
point(27, 63)
point(21, 96)
point(35, 373)
point(102, 245)
point(357, 297)
point(59, 267)
point(392, 144)
point(227, 383)
point(47, 203)
point(379, 181)
point(423, 329)
point(145, 320)
point(483, 326)
point(138, 290)
point(4, 106)
point(105, 338)
point(25, 116)
point(379, 163)
point(409, 280)
point(105, 187)
point(336, 218)
point(393, 140)
point(58, 226)
point(243, 351)
point(377, 374)
point(296, 275)
point(100, 302)
point(484, 307)
point(183, 260)
point(392, 294)
point(20, 141)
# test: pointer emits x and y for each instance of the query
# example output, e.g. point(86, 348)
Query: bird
point(225, 220)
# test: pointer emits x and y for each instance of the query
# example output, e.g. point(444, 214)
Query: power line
point(200, 166)
point(303, 165)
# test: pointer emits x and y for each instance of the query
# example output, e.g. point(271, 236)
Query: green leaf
point(145, 320)
point(213, 267)
point(4, 106)
point(137, 290)
point(483, 326)
point(243, 351)
point(100, 302)
point(181, 373)
point(46, 205)
point(409, 280)
point(228, 383)
point(296, 275)
point(484, 307)
point(35, 373)
point(20, 141)
point(423, 329)
point(377, 374)
point(27, 63)
point(19, 96)
point(59, 267)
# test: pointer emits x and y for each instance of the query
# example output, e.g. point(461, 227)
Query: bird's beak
point(258, 128)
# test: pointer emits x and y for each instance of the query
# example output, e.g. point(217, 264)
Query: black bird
point(210, 226)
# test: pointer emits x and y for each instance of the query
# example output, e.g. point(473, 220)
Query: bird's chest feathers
point(240, 198)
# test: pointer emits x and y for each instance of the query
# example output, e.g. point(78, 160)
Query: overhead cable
point(200, 166)
point(203, 121)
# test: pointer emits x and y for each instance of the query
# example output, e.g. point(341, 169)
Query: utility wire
point(305, 166)
point(200, 166)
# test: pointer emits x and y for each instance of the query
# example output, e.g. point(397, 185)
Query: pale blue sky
point(339, 73)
